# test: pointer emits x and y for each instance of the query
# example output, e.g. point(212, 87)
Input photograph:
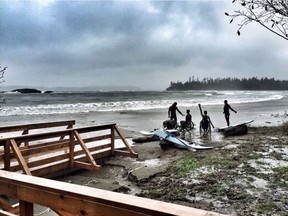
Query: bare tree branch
point(271, 14)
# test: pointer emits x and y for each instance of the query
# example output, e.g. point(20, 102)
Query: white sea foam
point(45, 104)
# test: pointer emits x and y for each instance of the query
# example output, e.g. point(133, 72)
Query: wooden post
point(71, 148)
point(26, 208)
point(7, 156)
point(112, 140)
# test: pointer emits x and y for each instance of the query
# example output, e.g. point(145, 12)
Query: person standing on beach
point(226, 112)
point(172, 112)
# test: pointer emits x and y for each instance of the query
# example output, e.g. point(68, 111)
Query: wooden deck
point(42, 154)
point(69, 199)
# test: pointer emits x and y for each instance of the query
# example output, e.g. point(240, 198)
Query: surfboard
point(178, 141)
point(234, 125)
point(151, 133)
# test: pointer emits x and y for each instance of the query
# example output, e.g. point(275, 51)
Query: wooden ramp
point(47, 153)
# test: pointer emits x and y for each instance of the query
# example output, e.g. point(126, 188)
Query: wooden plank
point(81, 200)
point(13, 128)
point(5, 205)
point(42, 162)
point(4, 213)
point(19, 157)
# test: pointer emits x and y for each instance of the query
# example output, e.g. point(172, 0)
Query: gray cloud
point(79, 43)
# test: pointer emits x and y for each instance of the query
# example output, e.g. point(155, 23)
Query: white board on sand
point(234, 125)
point(172, 138)
point(151, 133)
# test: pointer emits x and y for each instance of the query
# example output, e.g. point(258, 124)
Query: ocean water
point(85, 102)
point(142, 110)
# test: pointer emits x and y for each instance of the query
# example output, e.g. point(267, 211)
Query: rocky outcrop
point(26, 90)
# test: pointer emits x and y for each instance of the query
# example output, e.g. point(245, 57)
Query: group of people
point(205, 122)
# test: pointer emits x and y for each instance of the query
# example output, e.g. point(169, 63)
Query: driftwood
point(236, 131)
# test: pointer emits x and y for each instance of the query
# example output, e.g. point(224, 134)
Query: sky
point(146, 44)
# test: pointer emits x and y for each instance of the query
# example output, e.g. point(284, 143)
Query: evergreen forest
point(253, 83)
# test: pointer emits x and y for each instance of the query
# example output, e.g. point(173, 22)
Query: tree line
point(229, 84)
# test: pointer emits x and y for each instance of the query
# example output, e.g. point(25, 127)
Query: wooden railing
point(26, 128)
point(69, 199)
point(56, 151)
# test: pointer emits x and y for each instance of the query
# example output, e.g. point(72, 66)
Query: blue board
point(172, 138)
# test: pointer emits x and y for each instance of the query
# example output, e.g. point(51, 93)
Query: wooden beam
point(4, 213)
point(133, 154)
point(71, 149)
point(7, 156)
point(112, 140)
point(20, 157)
point(85, 149)
point(125, 153)
point(83, 200)
point(13, 128)
point(6, 206)
point(26, 208)
point(82, 165)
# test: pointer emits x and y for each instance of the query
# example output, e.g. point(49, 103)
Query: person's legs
point(227, 119)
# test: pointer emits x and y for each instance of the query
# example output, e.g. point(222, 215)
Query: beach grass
point(249, 179)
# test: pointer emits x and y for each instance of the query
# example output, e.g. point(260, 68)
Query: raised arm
point(200, 109)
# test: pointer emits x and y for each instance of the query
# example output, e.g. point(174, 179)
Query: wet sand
point(127, 175)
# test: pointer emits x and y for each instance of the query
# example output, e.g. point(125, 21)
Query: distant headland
point(229, 84)
point(29, 91)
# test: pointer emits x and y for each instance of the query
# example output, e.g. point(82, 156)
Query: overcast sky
point(146, 44)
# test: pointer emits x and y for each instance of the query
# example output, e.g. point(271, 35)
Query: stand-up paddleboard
point(151, 133)
point(172, 138)
point(234, 125)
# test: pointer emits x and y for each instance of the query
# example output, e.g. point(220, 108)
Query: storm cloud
point(146, 44)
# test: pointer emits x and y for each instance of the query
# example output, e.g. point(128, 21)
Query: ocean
point(101, 107)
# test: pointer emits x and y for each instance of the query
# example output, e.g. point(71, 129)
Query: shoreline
point(265, 113)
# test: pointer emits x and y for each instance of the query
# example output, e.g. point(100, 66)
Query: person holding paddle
point(205, 122)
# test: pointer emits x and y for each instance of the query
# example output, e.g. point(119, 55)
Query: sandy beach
point(226, 179)
point(242, 175)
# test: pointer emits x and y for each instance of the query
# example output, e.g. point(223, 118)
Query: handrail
point(13, 128)
point(71, 199)
point(46, 154)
